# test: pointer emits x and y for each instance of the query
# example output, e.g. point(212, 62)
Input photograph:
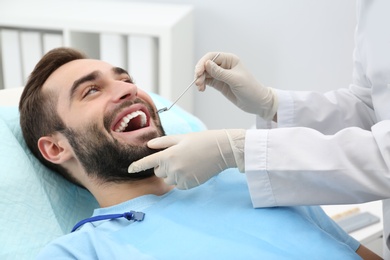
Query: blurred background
point(297, 45)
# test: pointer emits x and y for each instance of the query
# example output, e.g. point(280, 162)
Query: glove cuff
point(269, 106)
point(275, 104)
point(237, 142)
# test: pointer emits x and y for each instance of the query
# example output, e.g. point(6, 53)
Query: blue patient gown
point(213, 221)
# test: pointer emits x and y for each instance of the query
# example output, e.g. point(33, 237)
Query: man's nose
point(124, 91)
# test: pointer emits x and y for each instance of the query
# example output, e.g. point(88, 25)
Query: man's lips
point(131, 118)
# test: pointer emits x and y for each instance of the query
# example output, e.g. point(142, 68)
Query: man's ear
point(55, 149)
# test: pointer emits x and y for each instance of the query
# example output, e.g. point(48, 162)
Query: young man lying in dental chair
point(87, 120)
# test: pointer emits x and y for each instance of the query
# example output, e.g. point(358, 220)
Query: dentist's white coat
point(338, 144)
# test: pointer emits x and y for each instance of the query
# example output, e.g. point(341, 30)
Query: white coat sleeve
point(301, 166)
point(327, 113)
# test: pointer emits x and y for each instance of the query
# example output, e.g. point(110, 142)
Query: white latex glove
point(229, 75)
point(192, 159)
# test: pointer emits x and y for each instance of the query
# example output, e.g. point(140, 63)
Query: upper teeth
point(126, 119)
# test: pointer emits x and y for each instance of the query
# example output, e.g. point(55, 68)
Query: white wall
point(287, 44)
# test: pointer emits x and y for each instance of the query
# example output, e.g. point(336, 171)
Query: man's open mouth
point(132, 121)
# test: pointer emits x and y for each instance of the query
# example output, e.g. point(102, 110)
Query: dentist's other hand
point(229, 75)
point(191, 159)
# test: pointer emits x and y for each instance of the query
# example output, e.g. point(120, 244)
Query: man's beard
point(106, 158)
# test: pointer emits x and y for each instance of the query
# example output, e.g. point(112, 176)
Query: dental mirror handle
point(189, 86)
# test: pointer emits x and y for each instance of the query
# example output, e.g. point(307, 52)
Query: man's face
point(108, 119)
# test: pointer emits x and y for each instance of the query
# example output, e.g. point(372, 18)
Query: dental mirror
point(167, 108)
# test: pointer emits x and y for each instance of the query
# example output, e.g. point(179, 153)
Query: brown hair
point(38, 113)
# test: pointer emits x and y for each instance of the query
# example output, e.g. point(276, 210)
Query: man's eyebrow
point(118, 71)
point(89, 77)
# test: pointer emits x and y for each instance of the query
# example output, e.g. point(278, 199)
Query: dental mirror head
point(162, 110)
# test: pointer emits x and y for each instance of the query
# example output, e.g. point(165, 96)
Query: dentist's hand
point(229, 75)
point(191, 159)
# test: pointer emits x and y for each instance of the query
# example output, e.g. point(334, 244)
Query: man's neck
point(109, 194)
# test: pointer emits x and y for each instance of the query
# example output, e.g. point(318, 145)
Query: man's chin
point(107, 159)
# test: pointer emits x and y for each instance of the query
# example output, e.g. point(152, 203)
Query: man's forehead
point(71, 71)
